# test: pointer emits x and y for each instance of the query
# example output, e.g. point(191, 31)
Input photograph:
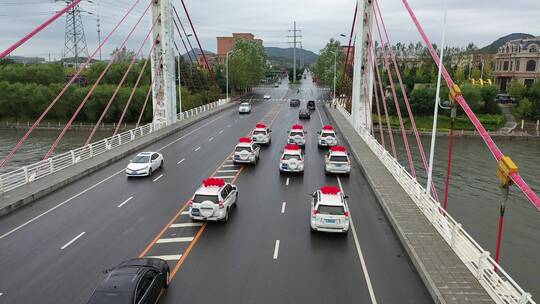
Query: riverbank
point(514, 135)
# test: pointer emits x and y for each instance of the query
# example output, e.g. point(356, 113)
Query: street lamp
point(335, 66)
point(227, 85)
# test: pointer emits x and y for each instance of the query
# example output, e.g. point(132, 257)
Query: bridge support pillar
point(163, 65)
point(363, 68)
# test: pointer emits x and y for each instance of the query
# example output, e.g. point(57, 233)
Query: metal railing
point(27, 174)
point(499, 285)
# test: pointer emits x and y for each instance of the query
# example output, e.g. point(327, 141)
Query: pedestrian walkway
point(444, 274)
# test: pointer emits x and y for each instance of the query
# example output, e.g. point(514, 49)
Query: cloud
point(478, 21)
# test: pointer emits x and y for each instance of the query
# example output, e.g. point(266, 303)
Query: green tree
point(422, 101)
point(524, 108)
point(517, 89)
point(489, 93)
point(324, 66)
point(459, 75)
point(247, 63)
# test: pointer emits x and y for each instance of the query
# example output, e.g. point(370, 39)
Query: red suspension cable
point(144, 107)
point(133, 91)
point(406, 99)
point(199, 43)
point(396, 101)
point(383, 97)
point(70, 82)
point(38, 29)
point(83, 102)
point(378, 110)
point(494, 149)
point(124, 77)
point(348, 49)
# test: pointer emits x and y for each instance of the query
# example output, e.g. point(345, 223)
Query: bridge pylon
point(163, 65)
point(362, 90)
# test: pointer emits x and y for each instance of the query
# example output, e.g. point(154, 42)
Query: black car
point(304, 114)
point(295, 103)
point(134, 281)
point(311, 105)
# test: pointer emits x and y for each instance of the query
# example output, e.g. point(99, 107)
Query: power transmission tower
point(295, 37)
point(75, 39)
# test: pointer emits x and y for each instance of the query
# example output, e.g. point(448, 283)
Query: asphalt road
point(52, 254)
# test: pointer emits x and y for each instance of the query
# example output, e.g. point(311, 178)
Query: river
point(474, 198)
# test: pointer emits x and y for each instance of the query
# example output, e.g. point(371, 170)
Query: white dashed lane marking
point(287, 182)
point(180, 161)
point(175, 240)
point(125, 202)
point(224, 177)
point(227, 171)
point(157, 178)
point(220, 131)
point(181, 225)
point(283, 207)
point(197, 149)
point(173, 257)
point(276, 250)
point(210, 139)
point(72, 241)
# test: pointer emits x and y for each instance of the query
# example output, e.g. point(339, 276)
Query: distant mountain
point(195, 54)
point(285, 55)
point(495, 45)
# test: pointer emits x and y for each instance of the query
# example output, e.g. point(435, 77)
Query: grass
point(491, 122)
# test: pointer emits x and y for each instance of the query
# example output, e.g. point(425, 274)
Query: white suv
point(327, 137)
point(292, 159)
point(297, 136)
point(261, 134)
point(337, 161)
point(213, 201)
point(329, 210)
point(245, 107)
point(246, 151)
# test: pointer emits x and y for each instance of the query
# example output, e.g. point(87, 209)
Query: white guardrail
point(33, 172)
point(500, 286)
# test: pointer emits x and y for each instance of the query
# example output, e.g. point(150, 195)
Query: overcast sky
point(478, 21)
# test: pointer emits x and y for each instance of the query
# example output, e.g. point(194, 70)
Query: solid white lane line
point(210, 139)
point(197, 149)
point(180, 161)
point(283, 207)
point(180, 225)
point(172, 257)
point(320, 117)
point(360, 254)
point(72, 241)
point(227, 171)
point(228, 166)
point(100, 182)
point(157, 178)
point(185, 212)
point(220, 131)
point(223, 176)
point(175, 240)
point(276, 250)
point(124, 202)
point(287, 182)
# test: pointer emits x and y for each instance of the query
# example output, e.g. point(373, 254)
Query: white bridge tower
point(163, 65)
point(363, 68)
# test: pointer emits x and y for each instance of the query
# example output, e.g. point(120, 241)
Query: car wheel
point(326, 172)
point(167, 280)
point(226, 218)
point(311, 229)
point(150, 172)
point(161, 165)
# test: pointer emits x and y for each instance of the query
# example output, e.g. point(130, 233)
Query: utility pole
point(295, 37)
point(99, 35)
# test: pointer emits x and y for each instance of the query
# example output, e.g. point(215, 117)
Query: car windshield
point(325, 134)
point(242, 148)
point(140, 159)
point(199, 198)
point(332, 210)
point(297, 133)
point(338, 158)
point(259, 132)
point(244, 104)
point(291, 156)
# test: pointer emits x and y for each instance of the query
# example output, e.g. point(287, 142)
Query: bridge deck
point(446, 276)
